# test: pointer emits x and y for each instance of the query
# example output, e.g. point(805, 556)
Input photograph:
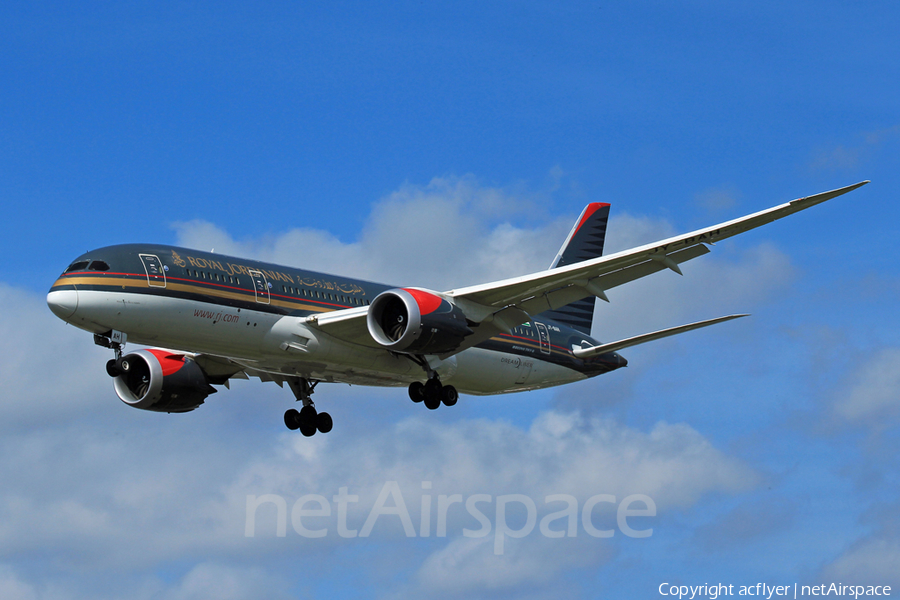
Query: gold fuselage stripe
point(139, 283)
point(172, 284)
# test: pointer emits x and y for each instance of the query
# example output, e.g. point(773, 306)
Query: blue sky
point(444, 146)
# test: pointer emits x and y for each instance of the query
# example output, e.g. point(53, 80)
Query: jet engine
point(416, 321)
point(160, 381)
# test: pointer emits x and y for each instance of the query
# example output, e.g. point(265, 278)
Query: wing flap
point(219, 370)
point(597, 286)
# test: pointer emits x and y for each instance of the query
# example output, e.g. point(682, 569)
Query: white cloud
point(717, 199)
point(46, 364)
point(871, 561)
point(176, 486)
point(13, 588)
point(204, 580)
point(837, 158)
point(468, 568)
point(211, 580)
point(439, 236)
point(449, 233)
point(873, 397)
point(559, 454)
point(849, 156)
point(736, 281)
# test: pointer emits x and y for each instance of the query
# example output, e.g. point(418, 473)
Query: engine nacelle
point(161, 381)
point(416, 322)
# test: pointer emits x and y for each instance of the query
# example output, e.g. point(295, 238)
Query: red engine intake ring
point(395, 316)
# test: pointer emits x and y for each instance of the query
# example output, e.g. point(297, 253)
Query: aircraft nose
point(63, 303)
point(621, 360)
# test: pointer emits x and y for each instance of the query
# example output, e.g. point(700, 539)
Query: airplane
point(211, 318)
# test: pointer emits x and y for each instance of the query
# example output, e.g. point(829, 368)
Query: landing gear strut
point(432, 393)
point(307, 419)
point(114, 340)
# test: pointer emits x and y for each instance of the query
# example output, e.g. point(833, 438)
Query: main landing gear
point(307, 419)
point(432, 393)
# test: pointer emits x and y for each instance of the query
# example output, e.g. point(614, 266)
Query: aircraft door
point(543, 337)
point(260, 286)
point(156, 274)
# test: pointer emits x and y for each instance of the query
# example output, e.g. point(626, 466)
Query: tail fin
point(585, 241)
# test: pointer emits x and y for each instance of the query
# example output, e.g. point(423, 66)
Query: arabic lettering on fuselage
point(237, 269)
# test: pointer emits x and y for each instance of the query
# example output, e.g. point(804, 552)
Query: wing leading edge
point(507, 303)
point(548, 290)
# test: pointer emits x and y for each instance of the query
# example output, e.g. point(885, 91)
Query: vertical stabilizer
point(585, 242)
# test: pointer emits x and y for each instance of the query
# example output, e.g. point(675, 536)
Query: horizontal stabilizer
point(648, 337)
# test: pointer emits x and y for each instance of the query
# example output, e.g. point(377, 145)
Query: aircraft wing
point(510, 302)
point(647, 337)
point(502, 301)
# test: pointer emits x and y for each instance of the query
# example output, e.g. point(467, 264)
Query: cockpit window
point(77, 266)
point(98, 265)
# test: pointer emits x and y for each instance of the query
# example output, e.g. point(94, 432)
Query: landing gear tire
point(432, 392)
point(417, 391)
point(324, 422)
point(449, 395)
point(123, 365)
point(292, 419)
point(307, 420)
point(111, 369)
point(432, 388)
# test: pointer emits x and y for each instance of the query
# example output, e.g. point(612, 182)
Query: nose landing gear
point(114, 340)
point(117, 366)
